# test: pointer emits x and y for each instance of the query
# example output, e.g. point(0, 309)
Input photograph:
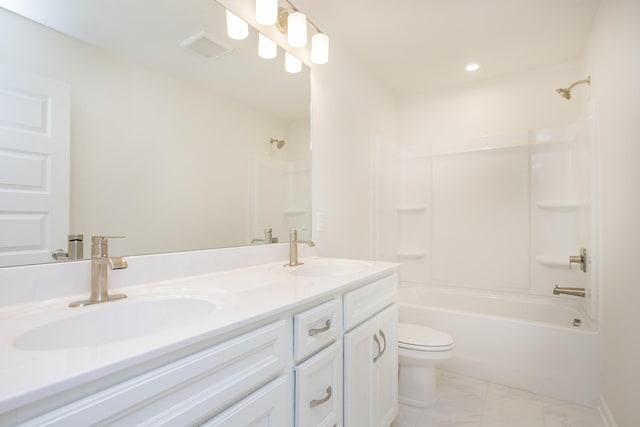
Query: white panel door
point(34, 167)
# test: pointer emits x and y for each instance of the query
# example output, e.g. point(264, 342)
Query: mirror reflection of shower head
point(279, 142)
point(566, 93)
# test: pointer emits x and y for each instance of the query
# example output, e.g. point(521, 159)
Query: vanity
point(311, 345)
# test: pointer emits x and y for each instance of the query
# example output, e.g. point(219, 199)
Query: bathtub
point(525, 342)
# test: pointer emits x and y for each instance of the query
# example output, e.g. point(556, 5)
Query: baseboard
point(605, 413)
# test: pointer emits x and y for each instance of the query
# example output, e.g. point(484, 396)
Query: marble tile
point(468, 402)
point(563, 414)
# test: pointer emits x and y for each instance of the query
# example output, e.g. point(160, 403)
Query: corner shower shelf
point(558, 204)
point(411, 254)
point(295, 211)
point(411, 208)
point(553, 261)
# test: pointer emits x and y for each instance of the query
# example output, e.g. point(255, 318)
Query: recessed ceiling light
point(472, 67)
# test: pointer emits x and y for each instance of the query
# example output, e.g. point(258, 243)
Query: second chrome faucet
point(101, 263)
point(293, 248)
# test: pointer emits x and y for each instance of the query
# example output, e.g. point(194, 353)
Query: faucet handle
point(100, 245)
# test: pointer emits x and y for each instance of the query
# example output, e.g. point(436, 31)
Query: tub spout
point(576, 292)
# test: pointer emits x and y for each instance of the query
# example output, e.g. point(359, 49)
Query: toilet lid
point(421, 336)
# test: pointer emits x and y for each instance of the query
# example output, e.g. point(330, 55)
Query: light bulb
point(266, 11)
point(237, 29)
point(319, 48)
point(267, 48)
point(472, 67)
point(297, 29)
point(291, 63)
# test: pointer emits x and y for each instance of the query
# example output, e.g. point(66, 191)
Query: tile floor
point(468, 402)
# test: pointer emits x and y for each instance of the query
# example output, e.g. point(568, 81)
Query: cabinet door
point(270, 406)
point(386, 368)
point(359, 351)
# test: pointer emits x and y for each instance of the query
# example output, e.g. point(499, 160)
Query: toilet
point(419, 350)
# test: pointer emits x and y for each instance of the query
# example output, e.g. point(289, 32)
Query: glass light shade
point(297, 29)
point(291, 63)
point(267, 48)
point(237, 29)
point(266, 11)
point(319, 48)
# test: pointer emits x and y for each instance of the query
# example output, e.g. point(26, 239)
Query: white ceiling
point(416, 45)
point(409, 45)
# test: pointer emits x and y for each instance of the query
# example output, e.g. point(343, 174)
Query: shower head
point(566, 93)
point(279, 142)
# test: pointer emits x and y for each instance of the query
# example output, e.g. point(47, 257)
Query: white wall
point(351, 115)
point(148, 149)
point(613, 60)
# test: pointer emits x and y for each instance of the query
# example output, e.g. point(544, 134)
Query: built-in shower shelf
point(559, 204)
point(409, 253)
point(553, 261)
point(411, 208)
point(295, 211)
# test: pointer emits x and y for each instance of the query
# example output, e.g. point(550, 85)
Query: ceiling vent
point(205, 44)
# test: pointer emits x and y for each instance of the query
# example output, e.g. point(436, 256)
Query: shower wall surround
point(487, 204)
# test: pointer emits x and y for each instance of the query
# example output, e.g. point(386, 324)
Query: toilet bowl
point(419, 350)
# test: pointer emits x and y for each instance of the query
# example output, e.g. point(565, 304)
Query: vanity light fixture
point(267, 48)
point(293, 23)
point(288, 20)
point(292, 64)
point(297, 29)
point(267, 12)
point(237, 29)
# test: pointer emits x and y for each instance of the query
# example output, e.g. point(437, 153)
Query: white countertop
point(243, 296)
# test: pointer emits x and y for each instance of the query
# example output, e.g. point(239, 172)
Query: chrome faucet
point(576, 292)
point(101, 262)
point(293, 248)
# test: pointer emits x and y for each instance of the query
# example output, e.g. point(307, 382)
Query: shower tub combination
point(544, 345)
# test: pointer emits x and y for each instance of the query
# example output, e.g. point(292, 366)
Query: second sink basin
point(115, 321)
point(332, 268)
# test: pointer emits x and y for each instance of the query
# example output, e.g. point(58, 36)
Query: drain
point(577, 322)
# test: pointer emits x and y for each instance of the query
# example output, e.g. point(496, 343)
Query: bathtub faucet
point(576, 292)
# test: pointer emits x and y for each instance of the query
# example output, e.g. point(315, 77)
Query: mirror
point(179, 137)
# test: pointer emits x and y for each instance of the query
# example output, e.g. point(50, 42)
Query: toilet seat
point(422, 338)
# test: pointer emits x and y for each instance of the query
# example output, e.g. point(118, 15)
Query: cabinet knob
point(315, 403)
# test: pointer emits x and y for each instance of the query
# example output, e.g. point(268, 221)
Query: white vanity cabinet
point(316, 353)
point(371, 355)
point(193, 389)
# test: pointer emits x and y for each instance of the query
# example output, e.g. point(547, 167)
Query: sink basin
point(332, 268)
point(114, 321)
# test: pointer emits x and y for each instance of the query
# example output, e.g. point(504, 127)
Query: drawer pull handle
point(325, 328)
point(315, 403)
point(377, 356)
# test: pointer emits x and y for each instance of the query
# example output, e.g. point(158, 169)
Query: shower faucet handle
point(579, 259)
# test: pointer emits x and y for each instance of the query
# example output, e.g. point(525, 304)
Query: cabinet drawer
point(187, 390)
point(269, 407)
point(364, 302)
point(316, 328)
point(319, 389)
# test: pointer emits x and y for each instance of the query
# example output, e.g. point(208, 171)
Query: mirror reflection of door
point(34, 166)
